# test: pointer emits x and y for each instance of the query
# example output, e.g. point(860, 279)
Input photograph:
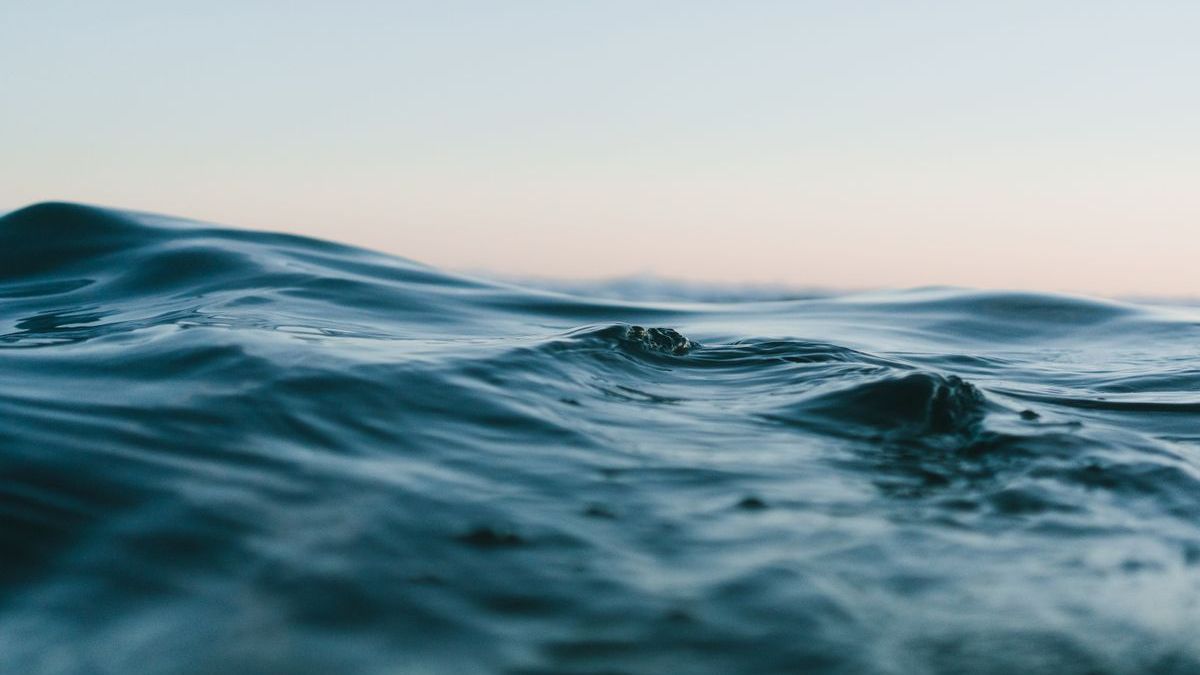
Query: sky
point(843, 144)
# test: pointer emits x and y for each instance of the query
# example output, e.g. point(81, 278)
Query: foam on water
point(229, 451)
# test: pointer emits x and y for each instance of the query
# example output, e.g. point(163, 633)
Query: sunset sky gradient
point(1028, 145)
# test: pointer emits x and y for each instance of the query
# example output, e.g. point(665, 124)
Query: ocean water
point(233, 452)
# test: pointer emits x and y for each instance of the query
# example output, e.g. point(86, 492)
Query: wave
point(235, 451)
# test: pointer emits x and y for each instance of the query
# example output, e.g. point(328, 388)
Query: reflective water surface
point(226, 451)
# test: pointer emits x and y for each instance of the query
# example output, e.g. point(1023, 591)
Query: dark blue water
point(234, 452)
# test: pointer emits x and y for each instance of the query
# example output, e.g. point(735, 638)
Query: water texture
point(234, 452)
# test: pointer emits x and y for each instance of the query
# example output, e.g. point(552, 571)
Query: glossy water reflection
point(225, 451)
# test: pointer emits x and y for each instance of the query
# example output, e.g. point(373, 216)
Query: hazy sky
point(1051, 145)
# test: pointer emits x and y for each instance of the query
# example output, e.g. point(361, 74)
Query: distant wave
point(232, 451)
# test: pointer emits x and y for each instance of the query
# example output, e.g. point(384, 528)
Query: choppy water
point(234, 452)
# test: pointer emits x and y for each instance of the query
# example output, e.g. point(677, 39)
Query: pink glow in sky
point(1030, 145)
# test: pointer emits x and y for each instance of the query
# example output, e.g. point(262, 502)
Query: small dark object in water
point(487, 537)
point(752, 503)
point(599, 511)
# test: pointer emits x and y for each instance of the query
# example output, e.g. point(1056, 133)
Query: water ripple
point(230, 451)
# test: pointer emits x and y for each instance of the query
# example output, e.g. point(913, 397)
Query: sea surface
point(226, 451)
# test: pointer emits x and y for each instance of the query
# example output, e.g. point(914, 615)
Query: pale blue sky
point(1049, 145)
